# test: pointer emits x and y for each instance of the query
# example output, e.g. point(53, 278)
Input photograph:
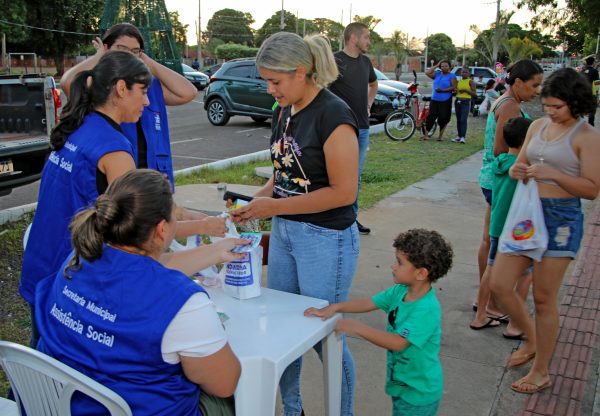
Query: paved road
point(194, 141)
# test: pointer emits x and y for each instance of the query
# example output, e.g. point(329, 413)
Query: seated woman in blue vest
point(115, 313)
point(89, 152)
point(149, 135)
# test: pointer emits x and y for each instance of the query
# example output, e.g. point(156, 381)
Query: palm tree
point(521, 48)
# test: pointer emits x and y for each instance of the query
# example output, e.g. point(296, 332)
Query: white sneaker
point(462, 140)
point(456, 140)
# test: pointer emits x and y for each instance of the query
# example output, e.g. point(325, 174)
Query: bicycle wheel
point(433, 129)
point(399, 125)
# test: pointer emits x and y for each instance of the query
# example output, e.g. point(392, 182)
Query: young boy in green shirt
point(413, 333)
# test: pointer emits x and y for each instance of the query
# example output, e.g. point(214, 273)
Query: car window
point(186, 68)
point(240, 71)
point(380, 75)
point(483, 73)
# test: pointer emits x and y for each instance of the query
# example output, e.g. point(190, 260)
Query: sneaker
point(362, 229)
point(462, 140)
point(456, 140)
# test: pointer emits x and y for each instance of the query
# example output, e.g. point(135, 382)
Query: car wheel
point(217, 113)
point(259, 119)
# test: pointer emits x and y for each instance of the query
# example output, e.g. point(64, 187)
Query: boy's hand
point(323, 313)
point(347, 326)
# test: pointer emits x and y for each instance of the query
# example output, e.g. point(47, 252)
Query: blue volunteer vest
point(156, 131)
point(108, 321)
point(68, 185)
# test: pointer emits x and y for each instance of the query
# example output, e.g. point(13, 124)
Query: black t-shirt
point(101, 180)
point(352, 85)
point(297, 153)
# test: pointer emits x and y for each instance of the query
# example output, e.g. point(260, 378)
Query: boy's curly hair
point(427, 249)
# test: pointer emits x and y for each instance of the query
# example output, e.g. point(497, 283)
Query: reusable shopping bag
point(524, 231)
point(484, 107)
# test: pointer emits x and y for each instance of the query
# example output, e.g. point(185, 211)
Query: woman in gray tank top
point(561, 153)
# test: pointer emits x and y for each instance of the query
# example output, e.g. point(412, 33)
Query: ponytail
point(125, 216)
point(325, 69)
point(93, 88)
point(78, 106)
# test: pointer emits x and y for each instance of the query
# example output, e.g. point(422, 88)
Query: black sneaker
point(362, 229)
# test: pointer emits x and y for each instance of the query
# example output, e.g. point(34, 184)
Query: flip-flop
point(518, 387)
point(519, 360)
point(502, 318)
point(518, 337)
point(491, 323)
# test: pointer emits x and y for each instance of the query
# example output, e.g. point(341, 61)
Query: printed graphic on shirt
point(290, 178)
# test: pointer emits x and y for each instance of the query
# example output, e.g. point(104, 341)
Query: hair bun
point(107, 211)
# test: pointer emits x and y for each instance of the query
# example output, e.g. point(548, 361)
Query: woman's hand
point(518, 171)
point(214, 226)
point(258, 208)
point(225, 246)
point(323, 313)
point(541, 171)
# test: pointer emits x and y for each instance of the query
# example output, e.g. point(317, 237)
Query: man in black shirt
point(592, 74)
point(357, 86)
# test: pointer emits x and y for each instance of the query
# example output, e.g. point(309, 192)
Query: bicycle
point(400, 124)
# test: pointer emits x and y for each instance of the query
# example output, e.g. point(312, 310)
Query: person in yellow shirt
point(465, 91)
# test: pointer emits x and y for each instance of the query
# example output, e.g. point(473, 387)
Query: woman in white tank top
point(561, 153)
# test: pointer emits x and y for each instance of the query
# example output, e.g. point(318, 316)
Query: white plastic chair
point(44, 386)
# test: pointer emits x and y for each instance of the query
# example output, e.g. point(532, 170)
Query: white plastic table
point(269, 332)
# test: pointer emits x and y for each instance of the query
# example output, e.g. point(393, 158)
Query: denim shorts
point(494, 250)
point(403, 408)
point(487, 194)
point(564, 221)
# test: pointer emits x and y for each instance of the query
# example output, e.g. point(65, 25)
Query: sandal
point(518, 386)
point(517, 360)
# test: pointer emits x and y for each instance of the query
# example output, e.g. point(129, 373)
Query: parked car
point(237, 89)
point(210, 71)
point(384, 101)
point(197, 78)
point(383, 79)
point(480, 74)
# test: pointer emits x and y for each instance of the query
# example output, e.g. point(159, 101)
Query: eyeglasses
point(135, 51)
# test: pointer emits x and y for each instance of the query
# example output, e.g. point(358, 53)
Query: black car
point(197, 78)
point(384, 101)
point(237, 89)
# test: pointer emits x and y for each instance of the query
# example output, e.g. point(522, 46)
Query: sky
point(416, 17)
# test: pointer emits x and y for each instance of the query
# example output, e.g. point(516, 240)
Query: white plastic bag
point(242, 277)
point(524, 231)
point(484, 107)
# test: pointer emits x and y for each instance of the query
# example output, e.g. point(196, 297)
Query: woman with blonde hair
point(314, 149)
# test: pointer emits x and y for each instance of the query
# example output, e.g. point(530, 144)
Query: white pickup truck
point(28, 112)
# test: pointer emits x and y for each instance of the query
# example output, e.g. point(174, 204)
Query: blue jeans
point(363, 144)
point(564, 221)
point(462, 108)
point(320, 262)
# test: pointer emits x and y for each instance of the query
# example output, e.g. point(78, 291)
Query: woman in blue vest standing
point(149, 135)
point(444, 83)
point(150, 334)
point(89, 152)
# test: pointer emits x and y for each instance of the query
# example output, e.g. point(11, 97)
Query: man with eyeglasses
point(149, 137)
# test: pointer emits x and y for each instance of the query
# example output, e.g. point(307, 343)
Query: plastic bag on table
point(524, 231)
point(242, 277)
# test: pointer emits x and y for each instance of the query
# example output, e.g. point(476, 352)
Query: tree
point(272, 25)
point(440, 46)
point(62, 16)
point(14, 12)
point(584, 14)
point(398, 44)
point(231, 25)
point(179, 32)
point(370, 22)
point(331, 29)
point(521, 48)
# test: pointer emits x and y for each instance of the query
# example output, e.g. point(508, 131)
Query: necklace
point(545, 140)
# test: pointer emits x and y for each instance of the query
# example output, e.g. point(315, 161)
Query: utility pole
point(464, 49)
point(496, 42)
point(199, 47)
point(350, 15)
point(426, 47)
point(3, 52)
point(341, 34)
point(281, 21)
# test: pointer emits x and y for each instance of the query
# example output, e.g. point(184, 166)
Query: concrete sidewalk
point(476, 378)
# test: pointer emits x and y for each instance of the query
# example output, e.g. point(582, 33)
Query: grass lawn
point(390, 167)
